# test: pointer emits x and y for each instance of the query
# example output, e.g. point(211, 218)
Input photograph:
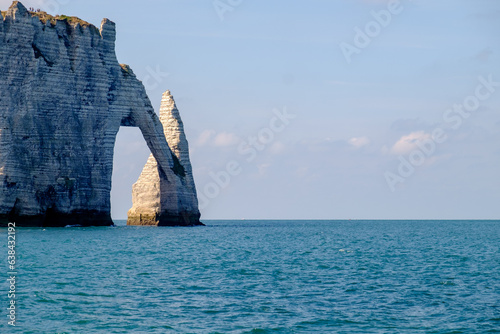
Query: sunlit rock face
point(63, 97)
point(151, 196)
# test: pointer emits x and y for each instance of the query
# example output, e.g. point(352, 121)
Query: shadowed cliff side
point(63, 97)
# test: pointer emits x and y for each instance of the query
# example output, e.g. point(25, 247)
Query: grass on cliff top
point(126, 70)
point(72, 20)
point(44, 17)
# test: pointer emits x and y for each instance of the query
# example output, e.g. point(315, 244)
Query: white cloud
point(204, 137)
point(277, 148)
point(226, 139)
point(408, 143)
point(359, 142)
point(221, 139)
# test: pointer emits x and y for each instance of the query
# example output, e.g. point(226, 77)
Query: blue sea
point(257, 277)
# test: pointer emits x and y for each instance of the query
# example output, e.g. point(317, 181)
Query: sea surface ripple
point(258, 277)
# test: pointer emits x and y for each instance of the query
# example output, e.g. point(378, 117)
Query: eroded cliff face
point(63, 97)
point(151, 195)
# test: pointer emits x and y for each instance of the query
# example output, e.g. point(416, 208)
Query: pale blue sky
point(352, 120)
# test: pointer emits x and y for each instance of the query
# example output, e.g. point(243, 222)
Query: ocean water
point(258, 277)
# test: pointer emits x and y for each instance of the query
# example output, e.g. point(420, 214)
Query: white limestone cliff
point(151, 199)
point(63, 97)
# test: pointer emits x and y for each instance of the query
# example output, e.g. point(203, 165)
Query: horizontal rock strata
point(63, 98)
point(152, 200)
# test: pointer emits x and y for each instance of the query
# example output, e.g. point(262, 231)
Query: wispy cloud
point(205, 137)
point(226, 139)
point(408, 143)
point(359, 142)
point(210, 137)
point(484, 55)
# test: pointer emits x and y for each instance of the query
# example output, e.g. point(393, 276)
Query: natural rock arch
point(63, 97)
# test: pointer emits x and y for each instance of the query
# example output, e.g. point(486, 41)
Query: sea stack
point(154, 201)
point(63, 98)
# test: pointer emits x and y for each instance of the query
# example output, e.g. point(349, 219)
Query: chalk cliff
point(63, 97)
point(152, 200)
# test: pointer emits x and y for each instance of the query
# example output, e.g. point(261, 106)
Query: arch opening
point(130, 155)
